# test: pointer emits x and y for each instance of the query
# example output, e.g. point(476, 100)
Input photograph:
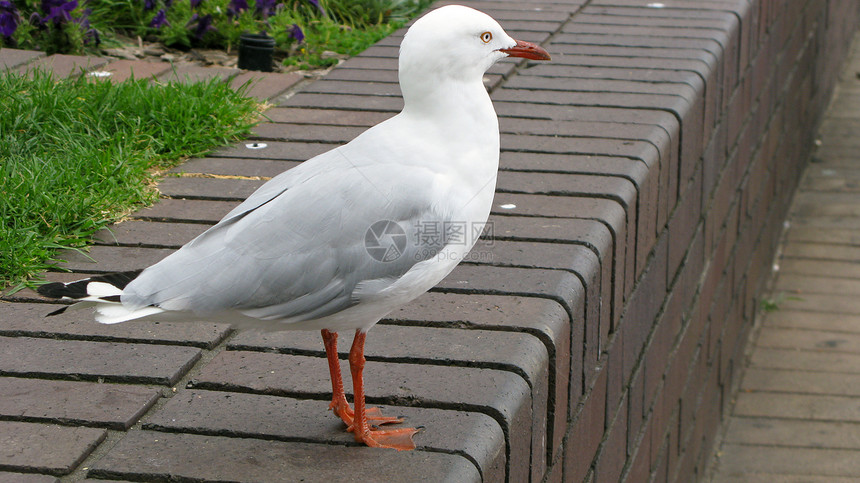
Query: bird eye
point(486, 37)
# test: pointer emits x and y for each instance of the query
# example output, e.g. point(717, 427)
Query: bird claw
point(399, 439)
point(374, 415)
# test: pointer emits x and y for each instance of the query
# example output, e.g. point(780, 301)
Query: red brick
point(613, 452)
point(586, 431)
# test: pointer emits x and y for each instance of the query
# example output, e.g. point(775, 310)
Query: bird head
point(460, 43)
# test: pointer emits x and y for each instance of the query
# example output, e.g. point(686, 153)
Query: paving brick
point(608, 212)
point(28, 319)
point(152, 234)
point(107, 259)
point(26, 477)
point(820, 340)
point(522, 354)
point(265, 85)
point(208, 188)
point(111, 406)
point(805, 360)
point(86, 360)
point(123, 69)
point(334, 117)
point(43, 448)
point(813, 320)
point(287, 151)
point(818, 267)
point(792, 461)
point(12, 58)
point(504, 394)
point(188, 211)
point(273, 417)
point(797, 285)
point(799, 433)
point(801, 382)
point(62, 65)
point(563, 287)
point(332, 86)
point(811, 407)
point(187, 73)
point(345, 101)
point(541, 317)
point(306, 133)
point(154, 455)
point(263, 168)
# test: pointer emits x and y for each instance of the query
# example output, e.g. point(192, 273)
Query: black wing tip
point(58, 311)
point(54, 290)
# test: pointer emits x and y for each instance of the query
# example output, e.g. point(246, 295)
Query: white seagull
point(346, 237)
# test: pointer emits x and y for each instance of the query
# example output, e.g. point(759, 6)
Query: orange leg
point(338, 399)
point(400, 439)
point(339, 404)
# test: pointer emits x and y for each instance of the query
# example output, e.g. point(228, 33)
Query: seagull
point(346, 237)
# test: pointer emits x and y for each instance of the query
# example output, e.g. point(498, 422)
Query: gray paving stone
point(44, 448)
point(799, 406)
point(800, 433)
point(11, 58)
point(288, 419)
point(503, 394)
point(28, 319)
point(801, 382)
point(805, 360)
point(112, 406)
point(86, 360)
point(791, 461)
point(26, 478)
point(154, 455)
point(813, 321)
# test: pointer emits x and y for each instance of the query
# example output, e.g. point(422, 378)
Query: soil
point(140, 49)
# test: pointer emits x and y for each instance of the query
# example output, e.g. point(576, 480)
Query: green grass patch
point(77, 154)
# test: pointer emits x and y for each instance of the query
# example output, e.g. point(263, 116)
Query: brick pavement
point(796, 415)
point(645, 173)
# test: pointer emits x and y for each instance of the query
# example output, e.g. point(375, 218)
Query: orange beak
point(527, 50)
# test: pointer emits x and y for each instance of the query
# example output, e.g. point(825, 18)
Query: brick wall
point(644, 175)
point(652, 387)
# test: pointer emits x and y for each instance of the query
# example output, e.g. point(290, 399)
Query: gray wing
point(298, 247)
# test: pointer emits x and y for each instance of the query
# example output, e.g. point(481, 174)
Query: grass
point(77, 154)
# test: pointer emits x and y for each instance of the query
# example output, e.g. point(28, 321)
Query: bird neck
point(449, 100)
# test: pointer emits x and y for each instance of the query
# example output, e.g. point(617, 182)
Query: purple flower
point(195, 3)
point(57, 10)
point(148, 5)
point(236, 7)
point(296, 33)
point(160, 19)
point(265, 7)
point(8, 18)
point(316, 3)
point(204, 24)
